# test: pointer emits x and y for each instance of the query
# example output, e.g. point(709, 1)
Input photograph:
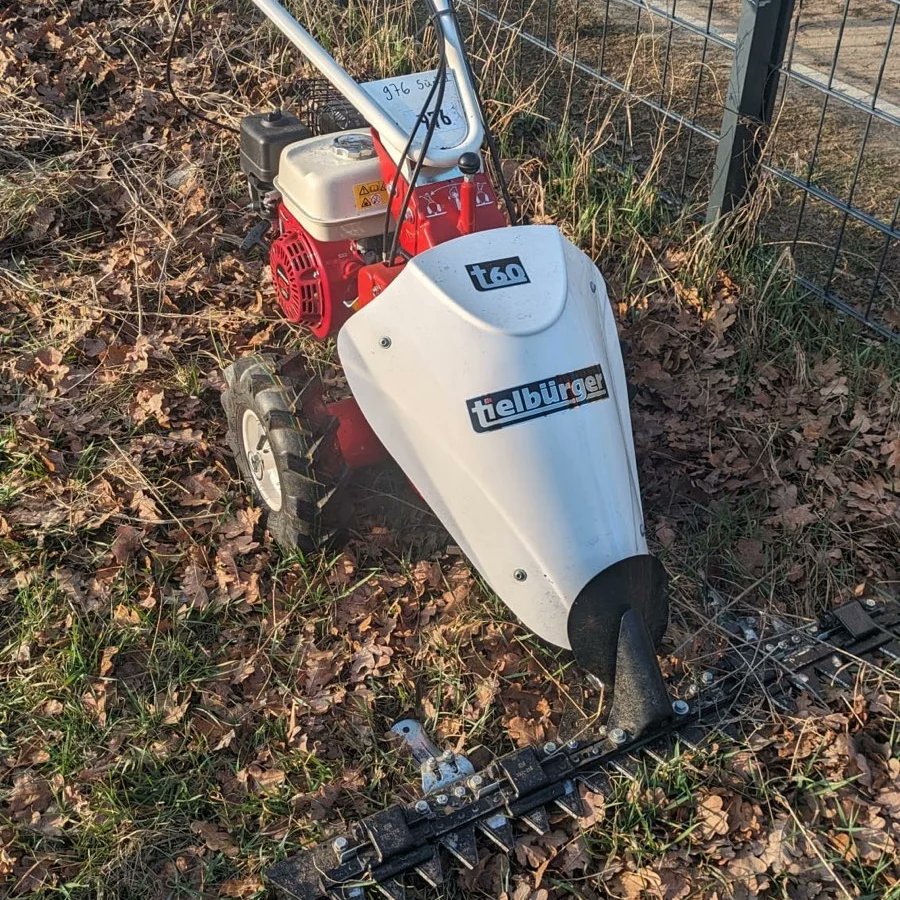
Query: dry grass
point(183, 704)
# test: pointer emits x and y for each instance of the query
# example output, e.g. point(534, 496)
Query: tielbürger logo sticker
point(497, 273)
point(537, 398)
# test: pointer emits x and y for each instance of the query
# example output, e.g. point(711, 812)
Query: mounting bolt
point(707, 678)
point(870, 602)
point(385, 342)
point(422, 807)
point(680, 708)
point(549, 747)
point(339, 844)
point(441, 799)
point(446, 757)
point(475, 782)
point(795, 639)
point(520, 574)
point(572, 745)
point(618, 735)
point(459, 791)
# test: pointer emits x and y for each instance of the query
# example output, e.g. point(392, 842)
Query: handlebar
point(389, 131)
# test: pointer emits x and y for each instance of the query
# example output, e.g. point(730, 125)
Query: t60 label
point(497, 273)
point(537, 398)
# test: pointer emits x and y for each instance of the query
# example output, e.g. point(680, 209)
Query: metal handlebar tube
point(391, 134)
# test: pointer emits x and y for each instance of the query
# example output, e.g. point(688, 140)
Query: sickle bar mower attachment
point(520, 789)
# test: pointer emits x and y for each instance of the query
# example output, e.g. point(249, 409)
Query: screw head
point(572, 745)
point(422, 806)
point(520, 574)
point(475, 782)
point(340, 844)
point(870, 602)
point(795, 639)
point(549, 747)
point(459, 791)
point(707, 677)
point(680, 708)
point(385, 342)
point(618, 735)
point(446, 757)
point(441, 799)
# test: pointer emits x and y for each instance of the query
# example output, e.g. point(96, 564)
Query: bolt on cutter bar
point(518, 792)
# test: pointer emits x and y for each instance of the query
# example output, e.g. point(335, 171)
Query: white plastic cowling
point(490, 369)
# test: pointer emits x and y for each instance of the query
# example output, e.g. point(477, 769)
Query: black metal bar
point(626, 130)
point(811, 190)
point(665, 71)
point(844, 307)
point(696, 104)
point(603, 41)
point(812, 162)
point(862, 149)
point(761, 40)
point(843, 97)
point(713, 36)
point(605, 79)
point(882, 261)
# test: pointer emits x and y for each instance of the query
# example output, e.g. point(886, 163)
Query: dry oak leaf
point(173, 711)
point(261, 780)
point(126, 543)
point(712, 818)
point(215, 838)
point(148, 403)
point(641, 884)
point(241, 887)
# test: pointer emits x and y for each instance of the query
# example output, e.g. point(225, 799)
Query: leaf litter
point(183, 704)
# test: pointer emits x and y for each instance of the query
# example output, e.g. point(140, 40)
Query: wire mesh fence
point(714, 93)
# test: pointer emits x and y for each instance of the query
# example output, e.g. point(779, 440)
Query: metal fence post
point(761, 40)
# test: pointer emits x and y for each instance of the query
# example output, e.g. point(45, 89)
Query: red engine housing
point(314, 280)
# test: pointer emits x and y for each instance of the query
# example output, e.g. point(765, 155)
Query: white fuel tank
point(332, 185)
point(490, 369)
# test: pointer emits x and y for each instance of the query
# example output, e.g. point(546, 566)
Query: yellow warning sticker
point(370, 194)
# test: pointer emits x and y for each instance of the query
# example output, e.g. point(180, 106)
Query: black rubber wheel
point(293, 467)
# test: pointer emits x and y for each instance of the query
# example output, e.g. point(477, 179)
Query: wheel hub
point(261, 460)
point(257, 466)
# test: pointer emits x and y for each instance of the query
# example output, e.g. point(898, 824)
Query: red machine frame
point(437, 212)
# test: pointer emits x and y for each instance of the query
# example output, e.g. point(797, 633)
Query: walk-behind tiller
point(483, 357)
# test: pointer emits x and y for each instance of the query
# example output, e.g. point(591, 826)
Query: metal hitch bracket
point(439, 769)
